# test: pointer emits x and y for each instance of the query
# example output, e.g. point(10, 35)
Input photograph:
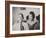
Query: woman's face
point(30, 16)
point(19, 18)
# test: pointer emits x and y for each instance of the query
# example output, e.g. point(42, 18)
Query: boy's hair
point(33, 16)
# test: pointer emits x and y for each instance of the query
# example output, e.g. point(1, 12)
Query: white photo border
point(28, 31)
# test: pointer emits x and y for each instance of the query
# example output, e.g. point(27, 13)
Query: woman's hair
point(27, 17)
point(22, 15)
point(33, 16)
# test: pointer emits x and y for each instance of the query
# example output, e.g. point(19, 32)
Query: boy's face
point(30, 16)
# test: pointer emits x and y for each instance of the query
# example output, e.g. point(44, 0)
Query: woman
point(31, 20)
point(23, 25)
point(18, 24)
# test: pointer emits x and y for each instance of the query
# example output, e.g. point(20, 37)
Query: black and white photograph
point(26, 18)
